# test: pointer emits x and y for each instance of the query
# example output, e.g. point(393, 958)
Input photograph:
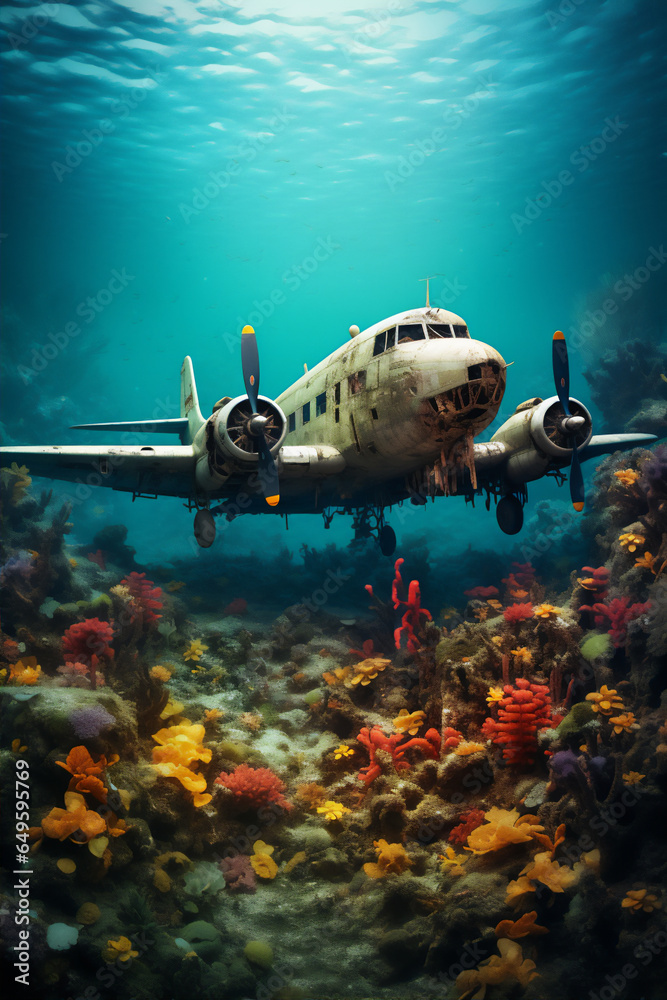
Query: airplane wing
point(490, 455)
point(142, 469)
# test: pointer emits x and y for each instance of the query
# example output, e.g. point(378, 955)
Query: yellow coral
point(391, 860)
point(546, 611)
point(343, 751)
point(633, 777)
point(338, 676)
point(367, 670)
point(25, 671)
point(631, 541)
point(550, 873)
point(120, 950)
point(627, 476)
point(262, 863)
point(495, 695)
point(501, 827)
point(623, 723)
point(213, 714)
point(641, 899)
point(517, 889)
point(409, 722)
point(180, 747)
point(646, 562)
point(333, 810)
point(160, 673)
point(508, 967)
point(21, 480)
point(194, 651)
point(451, 862)
point(523, 655)
point(466, 747)
point(606, 700)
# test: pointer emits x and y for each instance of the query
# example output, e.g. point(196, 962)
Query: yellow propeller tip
point(579, 505)
point(272, 501)
point(247, 329)
point(559, 335)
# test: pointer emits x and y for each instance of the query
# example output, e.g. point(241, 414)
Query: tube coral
point(522, 713)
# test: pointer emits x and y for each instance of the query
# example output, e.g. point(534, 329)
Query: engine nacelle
point(226, 443)
point(233, 428)
point(538, 436)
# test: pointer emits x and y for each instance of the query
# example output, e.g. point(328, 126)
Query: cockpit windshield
point(436, 330)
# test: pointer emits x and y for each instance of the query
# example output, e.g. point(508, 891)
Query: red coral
point(238, 606)
point(481, 593)
point(411, 620)
point(470, 820)
point(86, 642)
point(254, 787)
point(97, 558)
point(522, 577)
point(597, 581)
point(367, 647)
point(525, 709)
point(518, 613)
point(145, 596)
point(374, 739)
point(451, 737)
point(619, 613)
point(239, 875)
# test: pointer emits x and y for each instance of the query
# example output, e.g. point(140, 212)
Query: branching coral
point(145, 597)
point(619, 613)
point(522, 713)
point(374, 739)
point(414, 615)
point(254, 787)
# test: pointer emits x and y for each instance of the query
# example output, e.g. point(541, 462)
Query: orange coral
point(25, 671)
point(75, 818)
point(556, 877)
point(466, 747)
point(392, 860)
point(510, 966)
point(641, 899)
point(80, 764)
point(520, 928)
point(408, 721)
point(180, 747)
point(501, 827)
point(605, 700)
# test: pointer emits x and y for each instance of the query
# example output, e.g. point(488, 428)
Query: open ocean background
point(203, 150)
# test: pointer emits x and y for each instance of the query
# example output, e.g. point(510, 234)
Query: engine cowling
point(538, 435)
point(233, 428)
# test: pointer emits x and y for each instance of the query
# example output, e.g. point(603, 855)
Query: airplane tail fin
point(189, 400)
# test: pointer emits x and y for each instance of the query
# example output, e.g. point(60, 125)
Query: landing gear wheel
point(387, 540)
point(509, 514)
point(204, 528)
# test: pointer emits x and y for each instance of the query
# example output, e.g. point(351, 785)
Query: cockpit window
point(410, 331)
point(436, 330)
point(461, 330)
point(384, 340)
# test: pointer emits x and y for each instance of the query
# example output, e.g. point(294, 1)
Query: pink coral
point(97, 558)
point(238, 606)
point(254, 787)
point(619, 613)
point(145, 596)
point(87, 642)
point(522, 713)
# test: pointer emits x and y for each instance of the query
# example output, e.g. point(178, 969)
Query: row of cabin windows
point(356, 382)
point(404, 333)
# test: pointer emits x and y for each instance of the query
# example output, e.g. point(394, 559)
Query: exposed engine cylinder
point(539, 436)
point(553, 432)
point(233, 427)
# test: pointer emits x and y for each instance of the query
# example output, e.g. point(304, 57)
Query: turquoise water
point(205, 150)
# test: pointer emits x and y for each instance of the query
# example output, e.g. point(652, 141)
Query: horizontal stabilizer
point(174, 425)
point(605, 444)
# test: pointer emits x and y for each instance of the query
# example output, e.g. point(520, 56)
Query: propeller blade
point(268, 473)
point(576, 480)
point(561, 369)
point(250, 364)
